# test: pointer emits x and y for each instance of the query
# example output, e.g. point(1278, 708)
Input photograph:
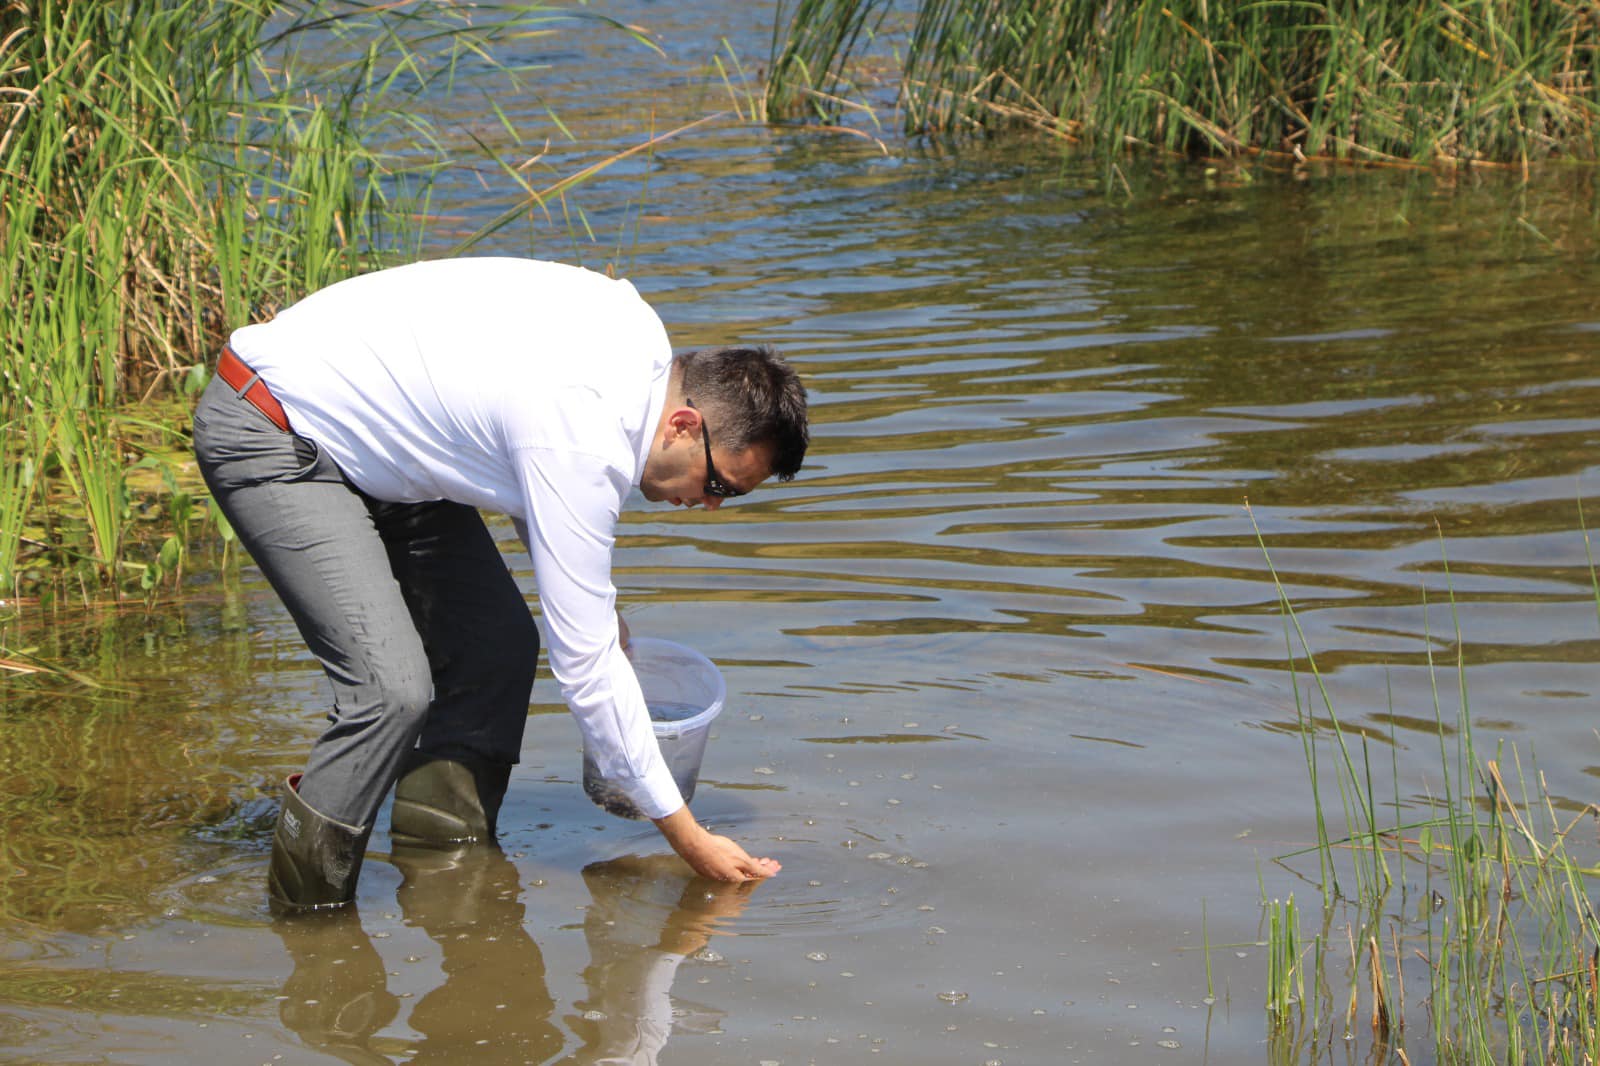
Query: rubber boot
point(447, 803)
point(315, 860)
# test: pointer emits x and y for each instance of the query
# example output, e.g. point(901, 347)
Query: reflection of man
point(337, 996)
point(648, 916)
point(493, 1004)
point(351, 441)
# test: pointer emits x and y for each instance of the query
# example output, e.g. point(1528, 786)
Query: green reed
point(812, 48)
point(1285, 976)
point(1508, 81)
point(1505, 931)
point(170, 172)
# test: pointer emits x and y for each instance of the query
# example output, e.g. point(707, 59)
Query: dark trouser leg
point(482, 647)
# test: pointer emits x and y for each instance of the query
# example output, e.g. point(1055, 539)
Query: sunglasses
point(715, 485)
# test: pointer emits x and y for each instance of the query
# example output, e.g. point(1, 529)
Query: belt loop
point(247, 386)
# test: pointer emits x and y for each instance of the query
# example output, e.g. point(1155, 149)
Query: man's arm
point(573, 502)
point(624, 635)
point(573, 507)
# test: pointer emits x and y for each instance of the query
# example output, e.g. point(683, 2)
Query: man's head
point(746, 406)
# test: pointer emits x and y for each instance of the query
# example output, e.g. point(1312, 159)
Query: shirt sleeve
point(573, 502)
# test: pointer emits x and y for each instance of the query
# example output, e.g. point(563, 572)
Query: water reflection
point(337, 996)
point(492, 1003)
point(647, 918)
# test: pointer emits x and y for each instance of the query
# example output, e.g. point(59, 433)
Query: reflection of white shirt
point(527, 388)
point(636, 1028)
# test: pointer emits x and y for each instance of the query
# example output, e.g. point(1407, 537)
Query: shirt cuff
point(656, 793)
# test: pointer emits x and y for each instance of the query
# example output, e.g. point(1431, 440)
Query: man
point(351, 442)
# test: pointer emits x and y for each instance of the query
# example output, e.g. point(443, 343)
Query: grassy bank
point(162, 177)
point(169, 172)
point(1502, 81)
point(1468, 930)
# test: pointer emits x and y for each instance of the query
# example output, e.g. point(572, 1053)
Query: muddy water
point(1007, 682)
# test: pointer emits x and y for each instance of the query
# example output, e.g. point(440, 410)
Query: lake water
point(1008, 691)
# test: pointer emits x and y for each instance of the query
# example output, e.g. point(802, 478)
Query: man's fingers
point(762, 868)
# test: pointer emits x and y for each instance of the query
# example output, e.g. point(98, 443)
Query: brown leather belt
point(248, 384)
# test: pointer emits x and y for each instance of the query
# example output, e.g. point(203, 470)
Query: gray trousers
point(409, 607)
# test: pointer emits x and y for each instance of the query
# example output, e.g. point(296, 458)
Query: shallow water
point(1007, 682)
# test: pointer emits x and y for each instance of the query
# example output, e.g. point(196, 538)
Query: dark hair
point(753, 397)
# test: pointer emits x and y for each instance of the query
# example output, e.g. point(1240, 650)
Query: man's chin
point(656, 496)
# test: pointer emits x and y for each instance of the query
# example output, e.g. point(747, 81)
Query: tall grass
point(812, 47)
point(169, 172)
point(1506, 935)
point(1510, 81)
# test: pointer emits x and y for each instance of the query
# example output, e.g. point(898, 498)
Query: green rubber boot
point(315, 860)
point(447, 803)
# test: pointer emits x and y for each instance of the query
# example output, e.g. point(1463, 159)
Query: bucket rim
point(660, 647)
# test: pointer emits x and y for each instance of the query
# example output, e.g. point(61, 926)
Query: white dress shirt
point(528, 388)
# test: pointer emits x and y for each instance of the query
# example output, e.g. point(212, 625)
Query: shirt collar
point(657, 403)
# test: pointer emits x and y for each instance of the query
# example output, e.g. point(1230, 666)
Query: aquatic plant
point(168, 172)
point(1509, 81)
point(1506, 934)
point(1285, 974)
point(812, 48)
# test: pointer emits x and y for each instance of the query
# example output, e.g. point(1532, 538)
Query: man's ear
point(684, 421)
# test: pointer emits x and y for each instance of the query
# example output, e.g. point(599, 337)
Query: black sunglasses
point(715, 485)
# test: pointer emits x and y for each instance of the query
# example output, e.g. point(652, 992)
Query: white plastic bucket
point(684, 691)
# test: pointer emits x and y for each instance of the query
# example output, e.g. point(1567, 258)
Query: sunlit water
point(1007, 681)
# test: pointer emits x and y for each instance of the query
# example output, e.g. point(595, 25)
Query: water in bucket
point(684, 691)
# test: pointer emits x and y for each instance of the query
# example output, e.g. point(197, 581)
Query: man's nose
point(711, 503)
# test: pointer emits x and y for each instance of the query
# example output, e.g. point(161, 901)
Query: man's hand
point(624, 638)
point(710, 855)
